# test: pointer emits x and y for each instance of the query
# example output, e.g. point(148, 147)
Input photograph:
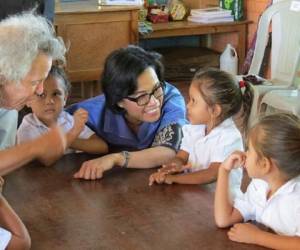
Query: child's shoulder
point(29, 120)
point(193, 130)
point(228, 130)
point(228, 124)
point(291, 190)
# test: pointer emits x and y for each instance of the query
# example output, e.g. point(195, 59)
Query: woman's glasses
point(144, 99)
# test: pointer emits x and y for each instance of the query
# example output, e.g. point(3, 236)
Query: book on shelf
point(210, 20)
point(215, 11)
point(210, 15)
point(121, 2)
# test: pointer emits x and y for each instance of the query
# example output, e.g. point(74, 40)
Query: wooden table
point(118, 212)
point(186, 28)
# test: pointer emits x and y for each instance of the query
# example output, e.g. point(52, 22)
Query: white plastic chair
point(285, 41)
point(284, 100)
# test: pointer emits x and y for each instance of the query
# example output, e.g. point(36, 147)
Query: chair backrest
point(285, 41)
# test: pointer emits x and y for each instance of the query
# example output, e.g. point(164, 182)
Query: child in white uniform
point(214, 97)
point(273, 196)
point(47, 109)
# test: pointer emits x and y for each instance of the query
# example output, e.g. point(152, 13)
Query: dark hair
point(277, 137)
point(59, 73)
point(121, 70)
point(219, 87)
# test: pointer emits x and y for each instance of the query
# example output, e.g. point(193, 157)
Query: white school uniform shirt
point(31, 128)
point(281, 212)
point(214, 147)
point(5, 237)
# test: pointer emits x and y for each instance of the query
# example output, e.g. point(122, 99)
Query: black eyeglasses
point(144, 99)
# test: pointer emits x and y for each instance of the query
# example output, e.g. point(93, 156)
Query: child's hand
point(235, 160)
point(1, 184)
point(243, 232)
point(80, 118)
point(158, 177)
point(173, 168)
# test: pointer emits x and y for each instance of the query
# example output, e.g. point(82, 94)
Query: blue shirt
point(113, 128)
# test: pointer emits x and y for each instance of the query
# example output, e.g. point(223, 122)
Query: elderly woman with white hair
point(27, 48)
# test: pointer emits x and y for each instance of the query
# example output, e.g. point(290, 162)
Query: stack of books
point(210, 15)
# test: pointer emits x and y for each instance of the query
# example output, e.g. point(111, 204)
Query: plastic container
point(229, 60)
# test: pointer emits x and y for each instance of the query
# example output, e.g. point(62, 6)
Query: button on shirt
point(113, 128)
point(31, 128)
point(214, 147)
point(281, 212)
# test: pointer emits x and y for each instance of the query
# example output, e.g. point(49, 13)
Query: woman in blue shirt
point(138, 112)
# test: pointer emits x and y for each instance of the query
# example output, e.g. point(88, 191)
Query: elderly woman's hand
point(94, 169)
point(51, 146)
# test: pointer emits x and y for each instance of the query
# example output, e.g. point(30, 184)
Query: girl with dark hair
point(214, 98)
point(138, 111)
point(273, 196)
point(47, 109)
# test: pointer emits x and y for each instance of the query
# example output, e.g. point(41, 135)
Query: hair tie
point(242, 85)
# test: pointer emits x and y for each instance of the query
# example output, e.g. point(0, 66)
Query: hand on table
point(173, 168)
point(94, 169)
point(164, 174)
point(243, 232)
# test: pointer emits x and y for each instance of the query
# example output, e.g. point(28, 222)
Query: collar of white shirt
point(61, 120)
point(228, 123)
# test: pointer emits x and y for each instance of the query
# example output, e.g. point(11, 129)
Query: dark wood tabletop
point(118, 212)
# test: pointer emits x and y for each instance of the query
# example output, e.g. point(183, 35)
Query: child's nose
point(49, 100)
point(39, 88)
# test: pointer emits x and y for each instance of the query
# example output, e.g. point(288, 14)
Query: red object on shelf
point(161, 18)
point(157, 15)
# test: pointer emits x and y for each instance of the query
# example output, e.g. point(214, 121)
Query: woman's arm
point(200, 177)
point(146, 158)
point(10, 221)
point(225, 214)
point(92, 145)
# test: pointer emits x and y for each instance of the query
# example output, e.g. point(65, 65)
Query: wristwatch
point(126, 156)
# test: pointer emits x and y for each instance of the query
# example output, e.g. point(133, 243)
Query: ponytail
point(247, 99)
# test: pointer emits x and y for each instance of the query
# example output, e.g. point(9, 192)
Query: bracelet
point(126, 156)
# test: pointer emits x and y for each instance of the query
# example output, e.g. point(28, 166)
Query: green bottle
point(236, 7)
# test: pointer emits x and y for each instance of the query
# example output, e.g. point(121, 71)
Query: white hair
point(22, 38)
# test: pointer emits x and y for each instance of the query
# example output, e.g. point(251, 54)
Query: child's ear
point(266, 165)
point(217, 110)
